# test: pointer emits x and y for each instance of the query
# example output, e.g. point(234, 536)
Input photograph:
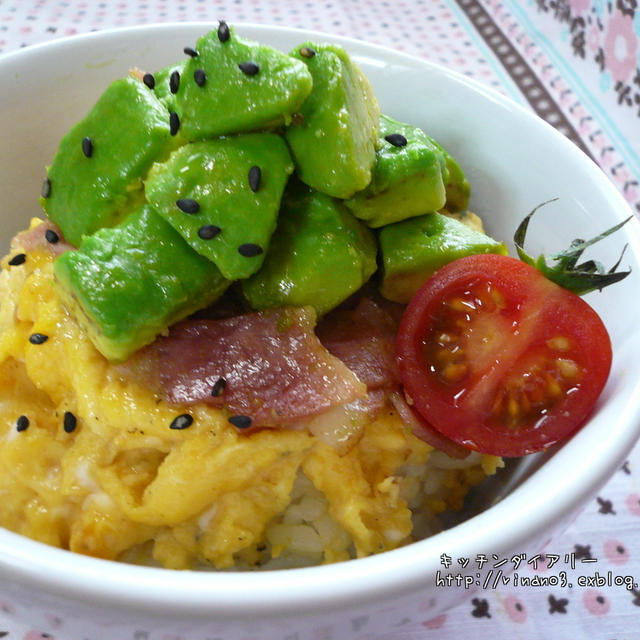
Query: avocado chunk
point(223, 197)
point(412, 250)
point(319, 255)
point(334, 138)
point(234, 85)
point(127, 284)
point(407, 178)
point(97, 172)
point(456, 185)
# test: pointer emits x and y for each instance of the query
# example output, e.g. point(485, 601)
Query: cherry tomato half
point(498, 358)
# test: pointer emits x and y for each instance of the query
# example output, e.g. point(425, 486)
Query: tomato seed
point(567, 368)
point(558, 343)
point(457, 304)
point(553, 388)
point(454, 372)
point(497, 298)
point(513, 408)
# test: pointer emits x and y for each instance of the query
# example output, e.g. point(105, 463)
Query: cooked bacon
point(342, 425)
point(136, 73)
point(364, 339)
point(278, 372)
point(35, 238)
point(275, 369)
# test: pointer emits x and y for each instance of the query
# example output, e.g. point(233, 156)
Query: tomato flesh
point(498, 358)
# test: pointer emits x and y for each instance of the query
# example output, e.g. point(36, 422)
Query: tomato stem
point(578, 278)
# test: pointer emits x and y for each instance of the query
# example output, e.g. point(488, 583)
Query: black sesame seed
point(69, 422)
point(174, 123)
point(174, 82)
point(191, 52)
point(181, 422)
point(255, 174)
point(396, 139)
point(223, 31)
point(149, 80)
point(45, 190)
point(187, 205)
point(19, 258)
point(218, 387)
point(38, 338)
point(51, 236)
point(87, 146)
point(241, 422)
point(249, 68)
point(208, 231)
point(249, 250)
point(200, 77)
point(306, 52)
point(22, 423)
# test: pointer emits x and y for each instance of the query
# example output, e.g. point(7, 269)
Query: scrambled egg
point(122, 485)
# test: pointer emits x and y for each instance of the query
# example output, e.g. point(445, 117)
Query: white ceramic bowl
point(514, 162)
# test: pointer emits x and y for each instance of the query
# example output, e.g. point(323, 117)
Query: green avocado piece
point(412, 250)
point(235, 85)
point(333, 140)
point(96, 174)
point(456, 184)
point(128, 283)
point(235, 186)
point(407, 178)
point(319, 255)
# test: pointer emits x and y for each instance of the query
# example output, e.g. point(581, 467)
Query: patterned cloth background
point(577, 64)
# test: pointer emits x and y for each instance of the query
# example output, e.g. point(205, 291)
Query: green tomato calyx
point(565, 270)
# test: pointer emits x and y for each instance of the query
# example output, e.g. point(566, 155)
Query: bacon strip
point(35, 238)
point(364, 339)
point(275, 369)
point(279, 373)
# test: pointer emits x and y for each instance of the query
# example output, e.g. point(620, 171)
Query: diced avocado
point(128, 283)
point(96, 175)
point(223, 197)
point(456, 184)
point(235, 85)
point(407, 177)
point(319, 255)
point(333, 141)
point(412, 250)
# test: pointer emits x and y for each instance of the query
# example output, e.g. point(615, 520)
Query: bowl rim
point(274, 593)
